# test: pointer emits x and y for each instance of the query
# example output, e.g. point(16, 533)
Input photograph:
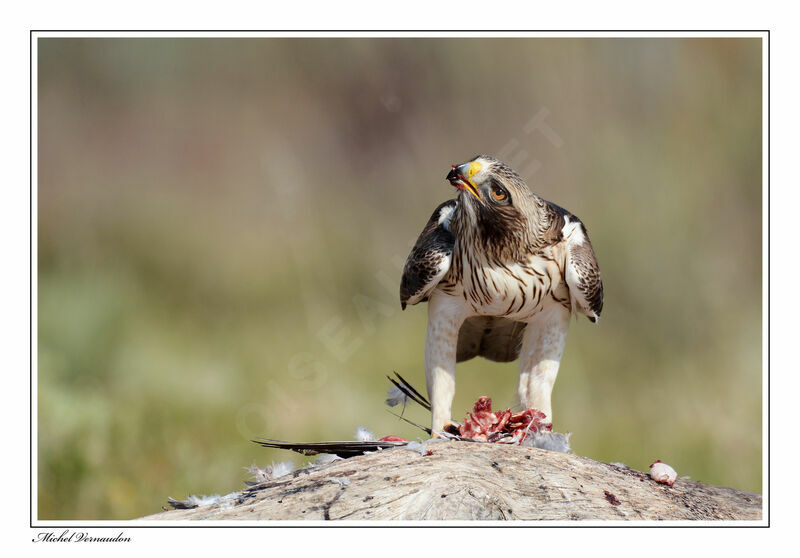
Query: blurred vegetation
point(222, 223)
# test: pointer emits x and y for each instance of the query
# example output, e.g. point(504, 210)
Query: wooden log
point(461, 481)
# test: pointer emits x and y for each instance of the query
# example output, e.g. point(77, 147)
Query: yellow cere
point(474, 168)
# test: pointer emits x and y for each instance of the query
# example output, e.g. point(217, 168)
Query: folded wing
point(581, 270)
point(430, 258)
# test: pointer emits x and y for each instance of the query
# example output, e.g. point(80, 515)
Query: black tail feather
point(425, 428)
point(407, 384)
point(409, 391)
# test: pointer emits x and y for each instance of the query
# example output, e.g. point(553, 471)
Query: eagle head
point(495, 205)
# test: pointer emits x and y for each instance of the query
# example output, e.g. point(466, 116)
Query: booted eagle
point(502, 270)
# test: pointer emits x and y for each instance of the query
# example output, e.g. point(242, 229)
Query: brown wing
point(582, 272)
point(430, 258)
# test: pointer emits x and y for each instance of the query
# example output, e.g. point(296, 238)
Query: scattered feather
point(422, 447)
point(324, 459)
point(342, 448)
point(179, 504)
point(419, 447)
point(395, 396)
point(229, 500)
point(259, 475)
point(270, 472)
point(552, 441)
point(282, 469)
point(193, 502)
point(204, 500)
point(364, 435)
point(409, 391)
point(401, 417)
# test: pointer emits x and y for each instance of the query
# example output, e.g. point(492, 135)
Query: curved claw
point(449, 430)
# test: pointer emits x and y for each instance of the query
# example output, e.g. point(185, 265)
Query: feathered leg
point(542, 347)
point(445, 316)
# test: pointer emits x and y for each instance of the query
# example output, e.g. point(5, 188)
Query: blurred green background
point(222, 224)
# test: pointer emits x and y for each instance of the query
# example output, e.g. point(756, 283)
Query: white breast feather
point(445, 215)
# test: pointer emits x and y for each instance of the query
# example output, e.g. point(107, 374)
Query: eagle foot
point(450, 428)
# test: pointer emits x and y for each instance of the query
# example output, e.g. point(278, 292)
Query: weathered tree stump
point(476, 481)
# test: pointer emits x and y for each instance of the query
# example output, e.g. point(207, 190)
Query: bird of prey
point(502, 270)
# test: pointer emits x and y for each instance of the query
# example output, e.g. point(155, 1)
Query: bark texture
point(461, 481)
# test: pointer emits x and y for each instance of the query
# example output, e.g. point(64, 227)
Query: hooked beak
point(457, 178)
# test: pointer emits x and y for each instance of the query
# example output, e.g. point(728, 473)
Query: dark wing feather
point(430, 258)
point(342, 449)
point(401, 417)
point(497, 339)
point(581, 271)
point(409, 391)
point(182, 504)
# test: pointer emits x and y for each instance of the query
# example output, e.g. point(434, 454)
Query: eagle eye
point(498, 193)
